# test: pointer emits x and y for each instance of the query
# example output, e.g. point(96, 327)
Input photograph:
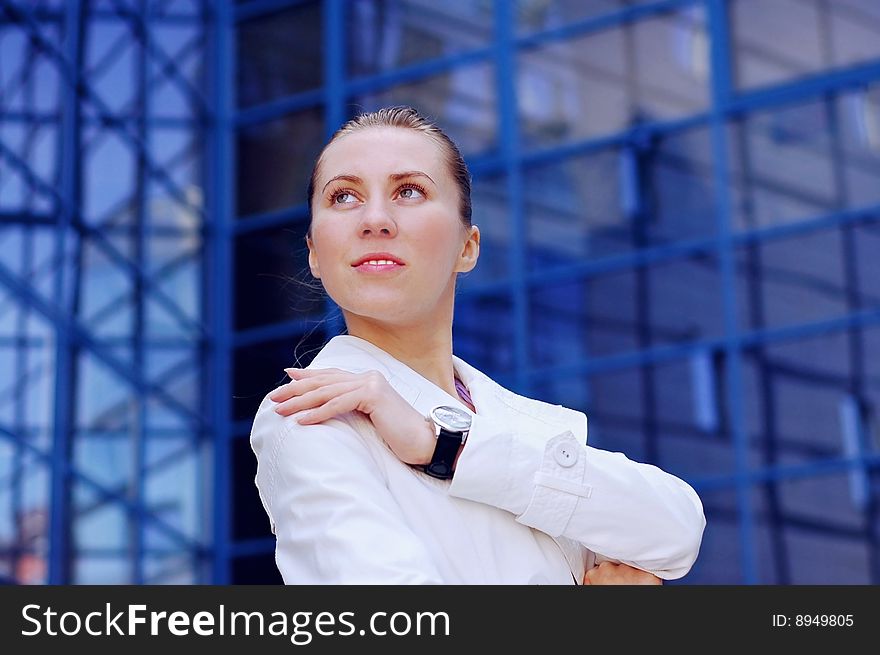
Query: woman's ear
point(470, 252)
point(313, 259)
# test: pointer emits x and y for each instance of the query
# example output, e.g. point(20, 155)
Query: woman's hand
point(610, 573)
point(331, 391)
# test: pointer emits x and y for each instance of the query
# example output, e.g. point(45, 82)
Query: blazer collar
point(355, 354)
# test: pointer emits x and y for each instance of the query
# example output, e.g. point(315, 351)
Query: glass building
point(678, 203)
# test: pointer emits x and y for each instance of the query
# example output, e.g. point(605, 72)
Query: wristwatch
point(451, 427)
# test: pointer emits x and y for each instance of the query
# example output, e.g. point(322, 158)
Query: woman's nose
point(377, 219)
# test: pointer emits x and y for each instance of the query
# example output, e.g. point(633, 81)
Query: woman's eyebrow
point(400, 176)
point(354, 179)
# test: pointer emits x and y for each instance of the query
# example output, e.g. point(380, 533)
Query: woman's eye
point(410, 193)
point(343, 198)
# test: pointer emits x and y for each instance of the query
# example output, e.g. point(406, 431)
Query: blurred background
point(679, 207)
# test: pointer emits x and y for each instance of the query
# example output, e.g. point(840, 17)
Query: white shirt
point(529, 503)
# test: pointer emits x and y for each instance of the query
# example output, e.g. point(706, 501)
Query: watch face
point(452, 418)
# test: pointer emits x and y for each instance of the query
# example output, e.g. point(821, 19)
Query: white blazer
point(530, 502)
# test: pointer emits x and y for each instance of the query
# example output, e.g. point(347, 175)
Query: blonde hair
point(406, 117)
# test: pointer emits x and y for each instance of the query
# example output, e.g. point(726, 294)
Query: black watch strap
point(445, 452)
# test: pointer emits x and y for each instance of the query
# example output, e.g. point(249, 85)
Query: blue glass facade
point(678, 202)
point(105, 441)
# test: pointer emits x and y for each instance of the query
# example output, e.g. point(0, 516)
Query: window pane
point(109, 178)
point(786, 39)
point(107, 301)
point(720, 561)
point(666, 303)
point(866, 239)
point(177, 569)
point(685, 301)
point(783, 166)
point(483, 332)
point(273, 281)
point(558, 314)
point(607, 81)
point(789, 281)
point(616, 411)
point(805, 402)
point(249, 519)
point(610, 312)
point(171, 490)
point(280, 54)
point(29, 389)
point(24, 517)
point(537, 15)
point(172, 94)
point(105, 400)
point(686, 415)
point(775, 41)
point(34, 145)
point(575, 209)
point(858, 114)
point(619, 200)
point(491, 213)
point(383, 36)
point(572, 391)
point(112, 51)
point(175, 201)
point(260, 368)
point(681, 194)
point(100, 524)
point(854, 31)
point(461, 102)
point(870, 340)
point(101, 570)
point(669, 413)
point(809, 532)
point(275, 161)
point(256, 569)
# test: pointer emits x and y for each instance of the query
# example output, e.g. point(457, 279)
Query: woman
point(391, 460)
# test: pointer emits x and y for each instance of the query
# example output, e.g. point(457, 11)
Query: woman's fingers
point(332, 391)
point(282, 393)
point(339, 404)
point(297, 373)
point(307, 398)
point(303, 383)
point(609, 573)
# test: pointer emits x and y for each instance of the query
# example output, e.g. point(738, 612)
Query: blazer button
point(565, 455)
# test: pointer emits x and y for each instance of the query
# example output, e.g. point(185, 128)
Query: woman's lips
point(377, 268)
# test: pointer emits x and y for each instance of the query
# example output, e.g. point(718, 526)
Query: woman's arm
point(632, 512)
point(627, 511)
point(335, 520)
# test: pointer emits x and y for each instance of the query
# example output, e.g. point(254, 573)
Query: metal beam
point(218, 301)
point(60, 533)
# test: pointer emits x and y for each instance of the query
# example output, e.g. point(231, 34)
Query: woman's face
point(388, 190)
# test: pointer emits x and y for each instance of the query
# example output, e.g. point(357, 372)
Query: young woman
point(390, 460)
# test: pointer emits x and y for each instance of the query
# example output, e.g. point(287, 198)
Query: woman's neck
point(427, 352)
